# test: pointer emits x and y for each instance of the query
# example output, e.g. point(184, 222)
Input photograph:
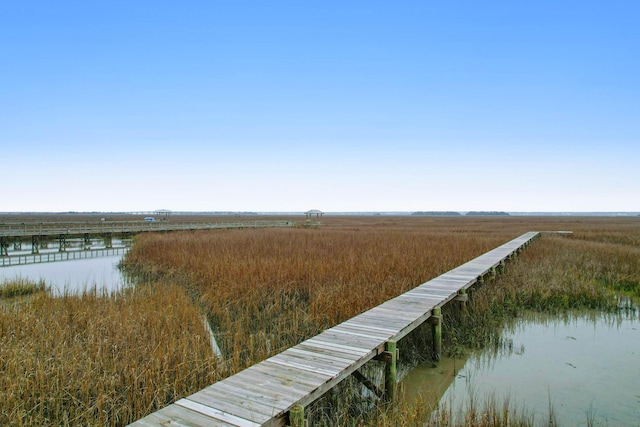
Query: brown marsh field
point(98, 359)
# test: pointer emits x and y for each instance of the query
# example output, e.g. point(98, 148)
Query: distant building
point(314, 212)
point(163, 214)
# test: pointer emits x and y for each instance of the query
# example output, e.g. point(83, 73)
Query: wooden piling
point(502, 266)
point(480, 280)
point(296, 416)
point(390, 371)
point(108, 240)
point(463, 298)
point(86, 241)
point(35, 244)
point(436, 329)
point(4, 247)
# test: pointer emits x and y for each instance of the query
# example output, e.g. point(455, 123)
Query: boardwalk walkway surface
point(102, 227)
point(263, 394)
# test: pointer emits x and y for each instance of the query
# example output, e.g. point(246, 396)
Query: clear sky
point(333, 105)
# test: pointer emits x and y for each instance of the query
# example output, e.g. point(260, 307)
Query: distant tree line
point(437, 213)
point(487, 213)
point(452, 213)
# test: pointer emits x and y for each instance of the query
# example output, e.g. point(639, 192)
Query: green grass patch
point(20, 287)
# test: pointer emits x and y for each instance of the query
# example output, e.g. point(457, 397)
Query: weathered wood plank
point(319, 341)
point(360, 329)
point(273, 400)
point(337, 337)
point(361, 324)
point(176, 415)
point(317, 355)
point(384, 319)
point(244, 399)
point(216, 413)
point(291, 376)
point(358, 333)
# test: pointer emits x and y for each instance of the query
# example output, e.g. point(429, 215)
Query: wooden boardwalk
point(263, 394)
point(27, 229)
point(13, 233)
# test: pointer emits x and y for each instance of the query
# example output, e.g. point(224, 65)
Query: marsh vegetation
point(108, 359)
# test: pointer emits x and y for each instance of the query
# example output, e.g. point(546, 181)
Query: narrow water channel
point(583, 365)
point(77, 276)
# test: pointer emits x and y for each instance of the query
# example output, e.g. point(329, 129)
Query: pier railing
point(8, 261)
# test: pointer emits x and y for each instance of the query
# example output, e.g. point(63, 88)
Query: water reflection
point(576, 363)
point(73, 276)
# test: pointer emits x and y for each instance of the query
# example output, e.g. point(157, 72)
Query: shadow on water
point(584, 365)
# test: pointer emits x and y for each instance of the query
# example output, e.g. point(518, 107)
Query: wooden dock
point(14, 233)
point(28, 229)
point(270, 392)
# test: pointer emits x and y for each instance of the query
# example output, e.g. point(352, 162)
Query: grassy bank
point(19, 288)
point(99, 359)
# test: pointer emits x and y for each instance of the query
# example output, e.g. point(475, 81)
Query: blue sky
point(334, 105)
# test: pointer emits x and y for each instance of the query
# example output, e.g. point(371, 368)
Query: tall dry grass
point(266, 290)
point(99, 359)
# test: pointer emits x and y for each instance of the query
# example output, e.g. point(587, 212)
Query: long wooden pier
point(275, 391)
point(79, 228)
point(13, 233)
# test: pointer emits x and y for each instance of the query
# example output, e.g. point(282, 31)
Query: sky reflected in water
point(71, 276)
point(578, 364)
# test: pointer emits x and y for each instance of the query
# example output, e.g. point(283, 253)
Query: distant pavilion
point(314, 212)
point(163, 214)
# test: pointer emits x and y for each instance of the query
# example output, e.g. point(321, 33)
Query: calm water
point(71, 276)
point(580, 364)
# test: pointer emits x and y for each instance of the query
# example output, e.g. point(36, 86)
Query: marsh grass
point(266, 290)
point(20, 287)
point(98, 359)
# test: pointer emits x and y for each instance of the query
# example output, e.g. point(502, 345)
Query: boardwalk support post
point(62, 238)
point(35, 244)
point(463, 297)
point(4, 247)
point(436, 329)
point(296, 416)
point(86, 241)
point(502, 267)
point(108, 240)
point(390, 371)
